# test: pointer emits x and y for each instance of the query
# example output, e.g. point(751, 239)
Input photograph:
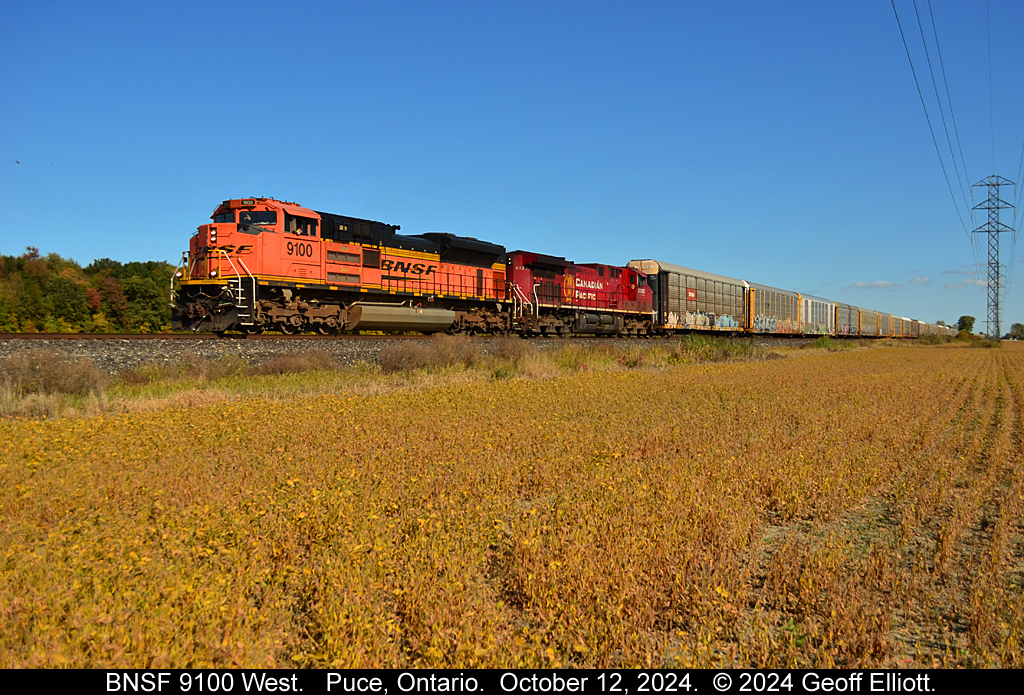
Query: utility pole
point(993, 228)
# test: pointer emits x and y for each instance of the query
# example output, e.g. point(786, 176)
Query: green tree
point(8, 320)
point(67, 300)
point(965, 324)
point(1017, 331)
point(102, 267)
point(158, 271)
point(147, 305)
point(30, 307)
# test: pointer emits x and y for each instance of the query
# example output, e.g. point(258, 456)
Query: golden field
point(855, 508)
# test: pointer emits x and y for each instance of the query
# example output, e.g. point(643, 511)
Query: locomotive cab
point(247, 238)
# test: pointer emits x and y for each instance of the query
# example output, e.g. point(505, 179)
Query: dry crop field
point(849, 509)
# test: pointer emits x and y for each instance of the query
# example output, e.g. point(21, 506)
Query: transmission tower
point(993, 228)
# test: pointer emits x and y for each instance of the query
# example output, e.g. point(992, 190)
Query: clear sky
point(778, 142)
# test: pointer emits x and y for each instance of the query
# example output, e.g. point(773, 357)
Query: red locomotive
point(265, 264)
point(559, 297)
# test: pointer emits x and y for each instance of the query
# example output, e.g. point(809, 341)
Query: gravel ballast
point(120, 354)
point(117, 355)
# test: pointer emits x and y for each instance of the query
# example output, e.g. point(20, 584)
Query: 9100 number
point(298, 249)
point(211, 682)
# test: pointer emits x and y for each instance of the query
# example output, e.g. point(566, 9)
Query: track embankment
point(115, 353)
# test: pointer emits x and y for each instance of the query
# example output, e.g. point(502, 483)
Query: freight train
point(268, 265)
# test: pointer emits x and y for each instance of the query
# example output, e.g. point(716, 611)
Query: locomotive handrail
point(520, 298)
point(191, 263)
point(174, 276)
point(238, 299)
point(222, 252)
point(252, 279)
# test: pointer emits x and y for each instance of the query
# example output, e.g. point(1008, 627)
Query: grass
point(593, 507)
point(826, 342)
point(43, 384)
point(39, 383)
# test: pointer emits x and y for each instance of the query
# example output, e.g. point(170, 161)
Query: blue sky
point(782, 142)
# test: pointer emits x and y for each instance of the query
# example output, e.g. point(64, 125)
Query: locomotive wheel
point(287, 328)
point(324, 329)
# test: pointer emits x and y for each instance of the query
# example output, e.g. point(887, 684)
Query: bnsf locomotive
point(265, 264)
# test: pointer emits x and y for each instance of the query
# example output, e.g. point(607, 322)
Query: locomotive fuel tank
point(598, 324)
point(389, 317)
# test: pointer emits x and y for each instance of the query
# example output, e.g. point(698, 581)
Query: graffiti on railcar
point(771, 324)
point(700, 319)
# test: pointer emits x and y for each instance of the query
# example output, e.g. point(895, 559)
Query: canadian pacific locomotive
point(264, 264)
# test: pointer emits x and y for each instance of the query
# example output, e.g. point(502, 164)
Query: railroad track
point(762, 341)
point(191, 336)
point(774, 340)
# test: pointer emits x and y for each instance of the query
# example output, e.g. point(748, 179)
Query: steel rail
point(191, 336)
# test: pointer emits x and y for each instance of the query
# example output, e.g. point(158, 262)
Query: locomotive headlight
point(178, 274)
point(213, 273)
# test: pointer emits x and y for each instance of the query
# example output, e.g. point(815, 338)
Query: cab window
point(224, 217)
point(303, 226)
point(260, 217)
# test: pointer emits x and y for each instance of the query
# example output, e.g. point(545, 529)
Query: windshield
point(262, 217)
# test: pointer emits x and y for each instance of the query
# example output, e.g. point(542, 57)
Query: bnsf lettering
point(403, 267)
point(136, 682)
point(230, 249)
point(303, 250)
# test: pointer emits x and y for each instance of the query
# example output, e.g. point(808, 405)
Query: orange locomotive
point(265, 264)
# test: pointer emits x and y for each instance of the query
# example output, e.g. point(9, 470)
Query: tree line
point(52, 294)
point(966, 325)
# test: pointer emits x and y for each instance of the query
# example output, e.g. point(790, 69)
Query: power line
point(991, 111)
point(938, 99)
point(1019, 192)
point(949, 100)
point(928, 118)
